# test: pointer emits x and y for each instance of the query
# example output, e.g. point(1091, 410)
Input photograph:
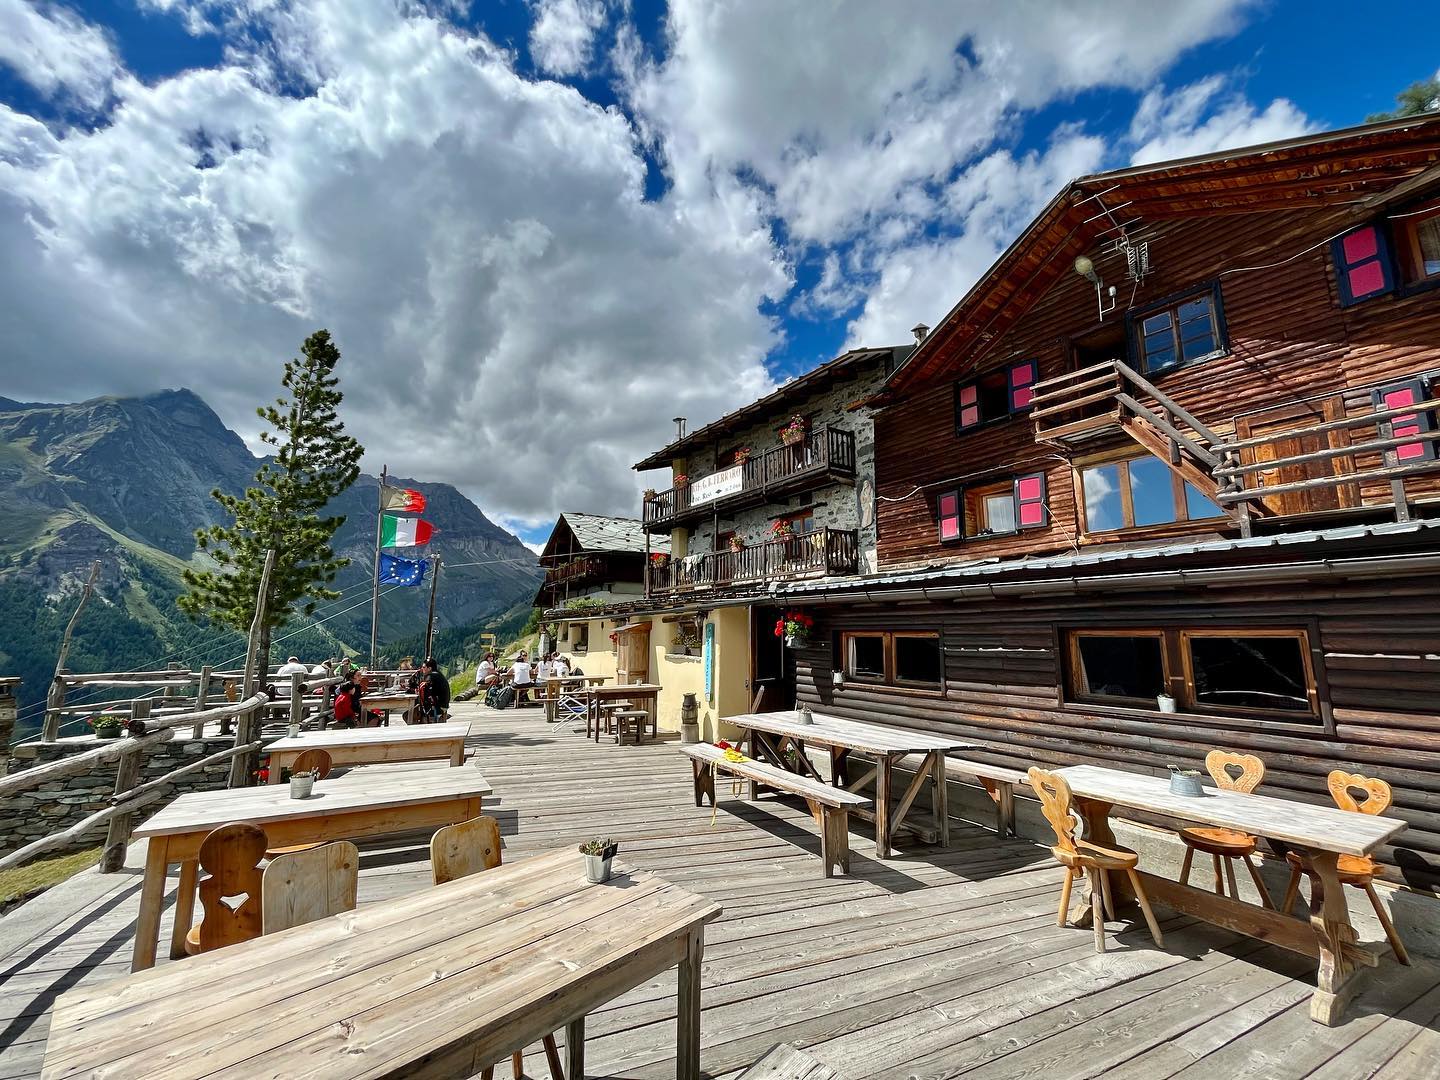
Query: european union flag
point(397, 571)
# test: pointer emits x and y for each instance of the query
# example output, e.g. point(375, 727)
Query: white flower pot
point(1166, 703)
point(597, 868)
point(301, 786)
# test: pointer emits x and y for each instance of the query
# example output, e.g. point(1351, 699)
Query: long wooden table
point(372, 746)
point(554, 688)
point(644, 695)
point(1322, 833)
point(440, 983)
point(769, 733)
point(341, 809)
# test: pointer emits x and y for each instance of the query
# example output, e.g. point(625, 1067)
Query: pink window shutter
point(1362, 264)
point(1410, 392)
point(1030, 509)
point(949, 514)
point(1023, 377)
point(967, 406)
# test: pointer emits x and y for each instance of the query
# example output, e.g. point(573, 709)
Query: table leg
point(752, 789)
point(1336, 981)
point(687, 1018)
point(941, 795)
point(152, 897)
point(575, 1049)
point(839, 766)
point(278, 764)
point(882, 807)
point(457, 755)
point(184, 906)
point(550, 706)
point(1098, 831)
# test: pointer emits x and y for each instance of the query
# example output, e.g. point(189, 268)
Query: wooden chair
point(1233, 772)
point(230, 893)
point(313, 760)
point(471, 847)
point(1356, 870)
point(309, 884)
point(1076, 854)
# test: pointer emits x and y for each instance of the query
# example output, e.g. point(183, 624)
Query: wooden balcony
point(819, 554)
point(825, 453)
point(575, 570)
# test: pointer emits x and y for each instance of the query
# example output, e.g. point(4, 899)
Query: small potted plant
point(681, 481)
point(794, 627)
point(303, 783)
point(742, 455)
point(659, 560)
point(793, 433)
point(782, 530)
point(649, 494)
point(598, 854)
point(108, 725)
point(737, 545)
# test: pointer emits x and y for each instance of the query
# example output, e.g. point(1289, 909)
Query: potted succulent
point(794, 432)
point(303, 783)
point(598, 854)
point(794, 627)
point(108, 725)
point(737, 545)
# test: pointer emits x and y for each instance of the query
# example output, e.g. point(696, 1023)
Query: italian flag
point(404, 531)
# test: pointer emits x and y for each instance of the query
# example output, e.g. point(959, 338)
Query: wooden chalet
point(593, 557)
point(1165, 480)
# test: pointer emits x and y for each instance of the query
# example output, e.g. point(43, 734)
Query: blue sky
point(582, 210)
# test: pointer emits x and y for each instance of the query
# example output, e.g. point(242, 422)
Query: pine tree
point(1415, 100)
point(313, 461)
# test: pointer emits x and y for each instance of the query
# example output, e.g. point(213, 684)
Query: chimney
point(919, 330)
point(679, 427)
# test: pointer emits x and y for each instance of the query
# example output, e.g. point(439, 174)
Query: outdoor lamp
point(1086, 269)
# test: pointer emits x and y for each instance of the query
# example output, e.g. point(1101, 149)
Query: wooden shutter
point(1362, 264)
point(967, 406)
point(951, 514)
point(1030, 509)
point(1410, 392)
point(1021, 379)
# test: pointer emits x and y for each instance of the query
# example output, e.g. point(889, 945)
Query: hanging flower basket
point(681, 481)
point(659, 559)
point(794, 627)
point(793, 433)
point(649, 494)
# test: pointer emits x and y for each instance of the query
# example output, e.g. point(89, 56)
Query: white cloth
point(287, 669)
point(542, 671)
point(485, 671)
point(560, 668)
point(320, 671)
point(520, 673)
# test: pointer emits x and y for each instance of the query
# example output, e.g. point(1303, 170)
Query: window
point(996, 394)
point(1418, 238)
point(1005, 506)
point(1237, 671)
point(579, 637)
point(1243, 671)
point(1099, 347)
point(1140, 492)
point(1410, 392)
point(905, 658)
point(1362, 264)
point(1179, 332)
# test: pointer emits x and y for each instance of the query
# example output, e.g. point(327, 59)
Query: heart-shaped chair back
point(1235, 772)
point(1344, 787)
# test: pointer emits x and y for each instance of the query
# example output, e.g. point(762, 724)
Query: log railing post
point(202, 700)
point(297, 701)
point(127, 772)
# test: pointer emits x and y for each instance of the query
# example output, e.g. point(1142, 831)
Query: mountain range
point(125, 482)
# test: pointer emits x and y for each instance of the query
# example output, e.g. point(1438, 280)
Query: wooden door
point(633, 663)
point(772, 671)
point(1280, 426)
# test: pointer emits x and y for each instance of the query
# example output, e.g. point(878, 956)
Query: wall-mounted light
point(1086, 269)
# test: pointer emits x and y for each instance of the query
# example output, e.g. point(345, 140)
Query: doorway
point(772, 667)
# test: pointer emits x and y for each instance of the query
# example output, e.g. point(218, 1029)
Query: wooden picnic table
point(370, 746)
point(440, 983)
point(340, 809)
point(1322, 833)
point(554, 688)
point(388, 701)
point(643, 695)
point(768, 734)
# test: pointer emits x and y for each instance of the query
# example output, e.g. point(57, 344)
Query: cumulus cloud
point(57, 52)
point(1206, 116)
point(562, 38)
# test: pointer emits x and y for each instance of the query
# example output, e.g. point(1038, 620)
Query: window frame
point(1011, 388)
point(974, 501)
point(1134, 329)
point(889, 680)
point(579, 631)
point(1312, 687)
point(1123, 458)
point(1407, 244)
point(1076, 670)
point(967, 507)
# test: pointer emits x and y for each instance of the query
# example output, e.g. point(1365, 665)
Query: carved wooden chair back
point(1343, 785)
point(1235, 772)
point(303, 886)
point(457, 851)
point(313, 760)
point(1054, 794)
point(230, 893)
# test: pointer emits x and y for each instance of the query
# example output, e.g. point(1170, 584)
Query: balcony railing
point(573, 570)
point(824, 450)
point(822, 552)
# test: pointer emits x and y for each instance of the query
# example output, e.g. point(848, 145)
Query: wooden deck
point(934, 964)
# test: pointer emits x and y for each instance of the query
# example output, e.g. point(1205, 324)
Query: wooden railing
point(825, 449)
point(574, 569)
point(823, 552)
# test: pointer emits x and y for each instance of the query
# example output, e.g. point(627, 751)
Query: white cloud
point(562, 38)
point(57, 52)
point(1204, 117)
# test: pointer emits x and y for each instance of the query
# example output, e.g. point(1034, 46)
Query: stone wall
point(58, 803)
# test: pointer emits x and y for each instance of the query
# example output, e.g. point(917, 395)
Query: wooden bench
point(786, 1062)
point(635, 719)
point(997, 780)
point(830, 805)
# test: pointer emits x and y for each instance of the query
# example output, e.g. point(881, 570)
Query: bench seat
point(999, 781)
point(830, 805)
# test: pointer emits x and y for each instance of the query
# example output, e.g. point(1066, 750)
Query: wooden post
point(297, 701)
point(430, 618)
point(127, 772)
point(248, 727)
point(51, 731)
point(202, 700)
point(9, 711)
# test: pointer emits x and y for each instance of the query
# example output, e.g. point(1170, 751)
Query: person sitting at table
point(347, 704)
point(487, 674)
point(542, 670)
point(559, 667)
point(521, 679)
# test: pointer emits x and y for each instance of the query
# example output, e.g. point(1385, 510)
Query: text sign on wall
point(709, 488)
point(709, 653)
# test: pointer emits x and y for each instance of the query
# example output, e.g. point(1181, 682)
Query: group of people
point(523, 675)
point(428, 684)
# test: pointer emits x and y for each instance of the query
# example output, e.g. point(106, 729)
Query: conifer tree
point(313, 461)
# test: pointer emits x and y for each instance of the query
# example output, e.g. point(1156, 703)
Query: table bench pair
point(830, 805)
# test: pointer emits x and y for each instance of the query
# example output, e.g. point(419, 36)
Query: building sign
point(709, 661)
point(716, 485)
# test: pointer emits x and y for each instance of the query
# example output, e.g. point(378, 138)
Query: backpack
point(505, 698)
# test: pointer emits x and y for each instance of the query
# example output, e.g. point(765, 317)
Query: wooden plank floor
point(937, 963)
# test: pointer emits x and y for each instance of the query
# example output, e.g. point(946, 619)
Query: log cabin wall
point(1289, 340)
point(1004, 668)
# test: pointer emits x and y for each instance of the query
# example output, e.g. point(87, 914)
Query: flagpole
point(430, 619)
point(375, 592)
